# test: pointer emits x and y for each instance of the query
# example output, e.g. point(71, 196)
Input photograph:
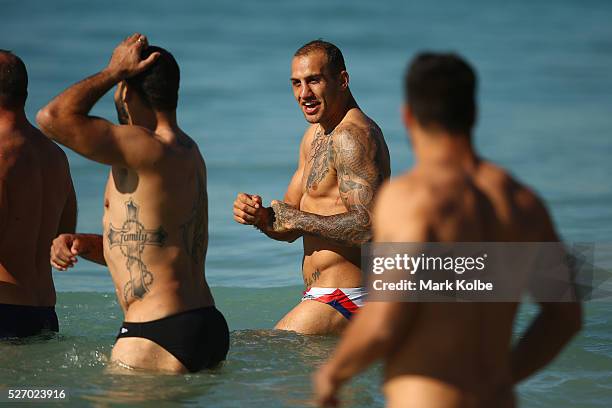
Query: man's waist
point(332, 278)
point(328, 258)
point(159, 306)
point(27, 295)
point(429, 389)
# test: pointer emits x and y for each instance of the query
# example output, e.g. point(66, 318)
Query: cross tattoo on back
point(131, 239)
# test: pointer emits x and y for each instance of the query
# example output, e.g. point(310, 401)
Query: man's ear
point(125, 96)
point(126, 93)
point(407, 116)
point(344, 80)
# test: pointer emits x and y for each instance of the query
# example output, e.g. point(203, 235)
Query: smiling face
point(318, 92)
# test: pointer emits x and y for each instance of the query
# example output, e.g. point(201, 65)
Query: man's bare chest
point(320, 177)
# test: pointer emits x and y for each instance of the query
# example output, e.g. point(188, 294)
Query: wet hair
point(335, 60)
point(13, 81)
point(441, 90)
point(159, 84)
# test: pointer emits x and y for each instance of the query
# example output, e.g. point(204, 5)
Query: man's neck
point(443, 149)
point(166, 120)
point(336, 117)
point(11, 119)
point(157, 120)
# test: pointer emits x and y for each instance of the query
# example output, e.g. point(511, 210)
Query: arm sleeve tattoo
point(354, 155)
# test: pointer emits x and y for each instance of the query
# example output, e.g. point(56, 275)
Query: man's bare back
point(456, 354)
point(459, 354)
point(37, 202)
point(36, 188)
point(155, 224)
point(155, 247)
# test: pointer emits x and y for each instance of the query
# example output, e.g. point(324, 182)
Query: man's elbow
point(45, 118)
point(363, 229)
point(365, 235)
point(363, 238)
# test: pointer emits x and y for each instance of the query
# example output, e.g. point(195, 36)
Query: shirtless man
point(37, 202)
point(155, 210)
point(450, 355)
point(343, 160)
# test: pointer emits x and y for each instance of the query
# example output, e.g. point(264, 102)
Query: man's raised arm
point(66, 118)
point(359, 176)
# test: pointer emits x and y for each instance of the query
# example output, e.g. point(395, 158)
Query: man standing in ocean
point(450, 355)
point(155, 210)
point(37, 202)
point(343, 160)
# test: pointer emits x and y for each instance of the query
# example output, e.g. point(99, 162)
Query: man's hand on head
point(126, 60)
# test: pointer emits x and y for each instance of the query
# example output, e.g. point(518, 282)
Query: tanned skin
point(343, 160)
point(37, 202)
point(155, 204)
point(451, 355)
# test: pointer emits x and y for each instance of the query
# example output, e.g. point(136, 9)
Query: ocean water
point(545, 95)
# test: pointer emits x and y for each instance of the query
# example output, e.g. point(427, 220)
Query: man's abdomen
point(330, 265)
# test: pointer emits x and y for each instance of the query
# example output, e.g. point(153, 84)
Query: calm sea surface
point(545, 112)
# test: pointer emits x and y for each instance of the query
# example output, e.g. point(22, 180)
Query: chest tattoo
point(319, 158)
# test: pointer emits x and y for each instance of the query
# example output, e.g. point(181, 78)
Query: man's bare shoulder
point(21, 143)
point(404, 209)
point(52, 157)
point(520, 194)
point(358, 123)
point(528, 206)
point(355, 140)
point(405, 192)
point(51, 148)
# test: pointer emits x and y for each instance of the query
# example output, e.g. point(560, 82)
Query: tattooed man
point(343, 160)
point(155, 210)
point(37, 202)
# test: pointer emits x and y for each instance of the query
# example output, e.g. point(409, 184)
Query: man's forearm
point(351, 228)
point(372, 335)
point(78, 100)
point(543, 341)
point(95, 248)
point(265, 225)
point(359, 349)
point(288, 236)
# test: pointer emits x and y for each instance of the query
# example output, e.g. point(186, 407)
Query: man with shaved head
point(37, 202)
point(343, 160)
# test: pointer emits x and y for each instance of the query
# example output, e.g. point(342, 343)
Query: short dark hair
point(13, 80)
point(335, 60)
point(159, 84)
point(441, 90)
